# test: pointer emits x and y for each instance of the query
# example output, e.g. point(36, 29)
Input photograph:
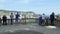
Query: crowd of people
point(44, 20)
point(4, 18)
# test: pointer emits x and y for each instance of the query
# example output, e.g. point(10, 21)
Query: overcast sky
point(37, 6)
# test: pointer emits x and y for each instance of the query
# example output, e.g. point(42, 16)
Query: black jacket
point(4, 18)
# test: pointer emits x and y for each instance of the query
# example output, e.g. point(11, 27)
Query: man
point(11, 16)
point(43, 18)
point(40, 20)
point(4, 20)
point(17, 17)
point(0, 21)
point(52, 18)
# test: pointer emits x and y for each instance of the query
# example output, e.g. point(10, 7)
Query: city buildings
point(23, 14)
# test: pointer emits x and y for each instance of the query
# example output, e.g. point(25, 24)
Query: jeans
point(17, 21)
point(40, 22)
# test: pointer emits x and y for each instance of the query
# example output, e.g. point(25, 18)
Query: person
point(43, 18)
point(40, 20)
point(4, 18)
point(17, 17)
point(0, 21)
point(52, 18)
point(11, 16)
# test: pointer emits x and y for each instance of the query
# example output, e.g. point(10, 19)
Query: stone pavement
point(20, 28)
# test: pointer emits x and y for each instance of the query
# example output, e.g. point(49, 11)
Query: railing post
point(25, 20)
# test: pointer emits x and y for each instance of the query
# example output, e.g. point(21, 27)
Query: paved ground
point(30, 28)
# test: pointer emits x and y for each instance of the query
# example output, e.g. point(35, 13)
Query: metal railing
point(30, 20)
point(23, 20)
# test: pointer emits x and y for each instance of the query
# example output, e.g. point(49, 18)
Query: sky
point(37, 6)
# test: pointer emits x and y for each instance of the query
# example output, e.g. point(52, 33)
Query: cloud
point(42, 0)
point(1, 6)
point(28, 1)
point(24, 1)
point(2, 1)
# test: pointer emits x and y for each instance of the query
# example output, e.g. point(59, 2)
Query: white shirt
point(43, 17)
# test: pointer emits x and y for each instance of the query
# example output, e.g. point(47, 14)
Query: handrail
point(30, 20)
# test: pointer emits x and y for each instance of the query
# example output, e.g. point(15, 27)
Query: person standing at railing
point(0, 21)
point(17, 17)
point(12, 17)
point(43, 19)
point(52, 18)
point(40, 20)
point(4, 18)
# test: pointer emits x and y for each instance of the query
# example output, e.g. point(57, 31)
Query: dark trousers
point(52, 22)
point(46, 22)
point(43, 21)
point(17, 21)
point(11, 21)
point(4, 23)
point(40, 21)
point(0, 21)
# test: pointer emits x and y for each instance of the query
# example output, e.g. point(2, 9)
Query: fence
point(24, 20)
point(31, 20)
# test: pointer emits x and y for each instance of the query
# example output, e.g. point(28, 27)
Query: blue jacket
point(17, 16)
point(52, 17)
